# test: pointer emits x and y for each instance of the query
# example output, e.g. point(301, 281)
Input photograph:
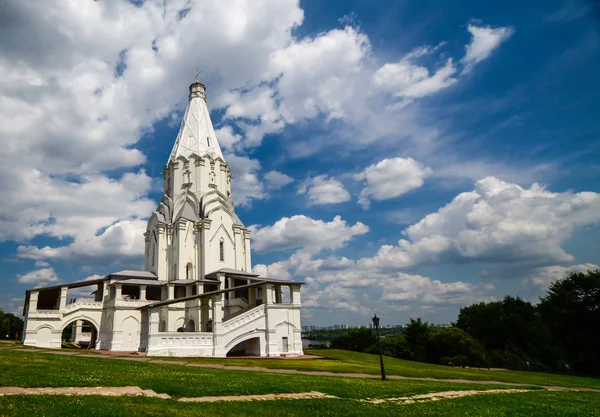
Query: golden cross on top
point(197, 74)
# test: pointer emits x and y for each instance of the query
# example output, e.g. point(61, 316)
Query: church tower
point(194, 230)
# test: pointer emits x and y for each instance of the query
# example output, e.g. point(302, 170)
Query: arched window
point(189, 271)
point(163, 326)
point(222, 250)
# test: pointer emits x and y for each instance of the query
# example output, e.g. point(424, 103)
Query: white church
point(196, 295)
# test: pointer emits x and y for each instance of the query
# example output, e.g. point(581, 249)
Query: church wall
point(221, 231)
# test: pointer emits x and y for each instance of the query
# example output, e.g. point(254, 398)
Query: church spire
point(196, 134)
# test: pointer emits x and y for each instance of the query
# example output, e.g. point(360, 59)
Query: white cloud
point(67, 119)
point(391, 178)
point(309, 77)
point(39, 276)
point(227, 138)
point(118, 243)
point(276, 180)
point(543, 277)
point(570, 10)
point(323, 190)
point(497, 222)
point(277, 270)
point(408, 80)
point(303, 232)
point(405, 288)
point(483, 42)
point(245, 185)
point(41, 264)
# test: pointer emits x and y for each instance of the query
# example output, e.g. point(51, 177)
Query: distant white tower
point(194, 230)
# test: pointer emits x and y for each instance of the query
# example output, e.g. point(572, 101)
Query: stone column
point(153, 324)
point(62, 300)
point(171, 292)
point(278, 294)
point(142, 293)
point(218, 350)
point(204, 313)
point(267, 294)
point(118, 288)
point(295, 294)
point(33, 300)
point(252, 296)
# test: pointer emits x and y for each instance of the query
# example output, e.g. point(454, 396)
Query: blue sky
point(404, 158)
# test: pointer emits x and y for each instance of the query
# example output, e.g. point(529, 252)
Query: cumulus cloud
point(245, 183)
point(322, 190)
point(408, 80)
point(543, 277)
point(484, 39)
point(276, 180)
point(38, 277)
point(118, 244)
point(497, 222)
point(391, 178)
point(304, 232)
point(81, 83)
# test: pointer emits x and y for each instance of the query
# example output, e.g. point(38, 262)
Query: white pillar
point(33, 299)
point(218, 350)
point(118, 288)
point(153, 324)
point(267, 294)
point(204, 315)
point(171, 292)
point(142, 293)
point(278, 294)
point(295, 294)
point(63, 298)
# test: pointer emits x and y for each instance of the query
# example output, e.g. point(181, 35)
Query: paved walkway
point(183, 362)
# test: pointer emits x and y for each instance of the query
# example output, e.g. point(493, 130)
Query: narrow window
point(221, 252)
point(208, 141)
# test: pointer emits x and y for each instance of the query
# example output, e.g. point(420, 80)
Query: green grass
point(531, 404)
point(342, 361)
point(28, 369)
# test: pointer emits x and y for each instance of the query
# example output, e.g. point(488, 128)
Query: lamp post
point(376, 324)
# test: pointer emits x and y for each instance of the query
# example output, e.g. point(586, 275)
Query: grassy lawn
point(28, 369)
point(354, 362)
point(531, 404)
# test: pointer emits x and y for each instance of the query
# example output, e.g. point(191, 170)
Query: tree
point(571, 309)
point(454, 345)
point(10, 325)
point(513, 331)
point(358, 340)
point(416, 333)
point(394, 346)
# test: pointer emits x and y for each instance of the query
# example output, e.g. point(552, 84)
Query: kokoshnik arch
point(196, 295)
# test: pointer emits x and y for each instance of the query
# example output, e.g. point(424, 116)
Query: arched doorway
point(190, 326)
point(79, 334)
point(250, 347)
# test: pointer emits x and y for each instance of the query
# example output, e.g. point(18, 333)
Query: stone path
point(263, 397)
point(436, 396)
point(292, 371)
point(132, 391)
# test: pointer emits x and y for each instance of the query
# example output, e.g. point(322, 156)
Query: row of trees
point(10, 325)
point(559, 333)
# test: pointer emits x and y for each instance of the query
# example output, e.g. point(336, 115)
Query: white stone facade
point(196, 295)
